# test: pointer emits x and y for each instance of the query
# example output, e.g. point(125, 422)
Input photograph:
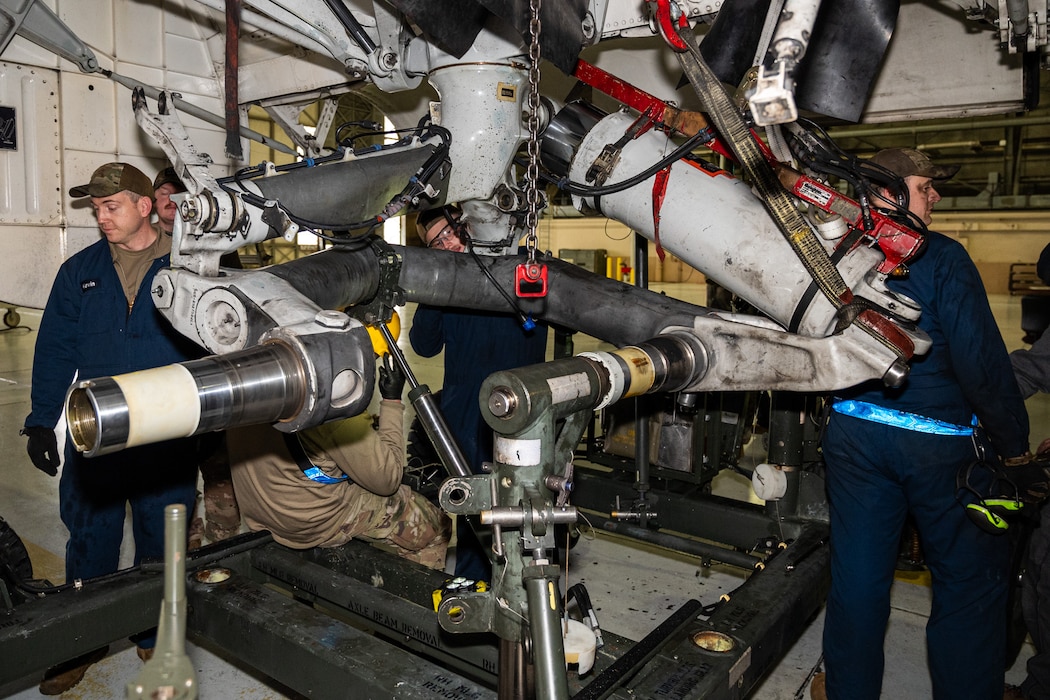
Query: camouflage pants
point(413, 526)
point(222, 516)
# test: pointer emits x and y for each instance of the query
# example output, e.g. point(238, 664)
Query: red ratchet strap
point(620, 90)
point(659, 190)
point(669, 27)
point(686, 123)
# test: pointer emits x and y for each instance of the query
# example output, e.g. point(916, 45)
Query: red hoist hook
point(530, 279)
point(669, 19)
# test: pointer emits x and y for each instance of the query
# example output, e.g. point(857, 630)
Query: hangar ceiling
point(1004, 159)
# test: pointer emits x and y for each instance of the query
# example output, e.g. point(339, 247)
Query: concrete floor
point(633, 588)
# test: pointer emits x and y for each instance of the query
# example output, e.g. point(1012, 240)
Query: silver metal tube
point(248, 387)
point(399, 357)
point(262, 384)
point(171, 632)
point(202, 114)
point(545, 627)
point(437, 430)
point(430, 415)
point(170, 674)
point(794, 28)
point(512, 677)
point(175, 554)
point(518, 516)
point(1018, 11)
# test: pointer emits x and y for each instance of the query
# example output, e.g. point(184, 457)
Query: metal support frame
point(307, 649)
point(66, 621)
point(712, 518)
point(309, 637)
point(725, 655)
point(398, 609)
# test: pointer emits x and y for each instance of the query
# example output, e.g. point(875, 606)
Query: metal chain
point(532, 172)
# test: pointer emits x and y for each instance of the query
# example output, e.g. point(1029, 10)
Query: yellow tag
point(506, 92)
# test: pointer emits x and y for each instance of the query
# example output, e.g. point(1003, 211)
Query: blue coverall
point(1032, 368)
point(86, 329)
point(476, 344)
point(877, 474)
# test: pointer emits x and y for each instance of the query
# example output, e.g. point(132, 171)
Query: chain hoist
point(531, 276)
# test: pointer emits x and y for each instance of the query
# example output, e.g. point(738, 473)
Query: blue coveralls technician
point(1032, 367)
point(100, 321)
point(476, 344)
point(883, 465)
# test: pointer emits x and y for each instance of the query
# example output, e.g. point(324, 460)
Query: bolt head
point(502, 402)
point(332, 319)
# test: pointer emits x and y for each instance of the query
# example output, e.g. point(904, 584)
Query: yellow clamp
point(456, 586)
point(379, 345)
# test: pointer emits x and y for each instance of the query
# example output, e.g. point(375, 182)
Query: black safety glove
point(1030, 477)
point(391, 379)
point(42, 448)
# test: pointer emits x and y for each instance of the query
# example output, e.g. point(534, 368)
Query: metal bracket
point(37, 23)
point(277, 218)
point(467, 612)
point(168, 132)
point(387, 62)
point(466, 495)
point(287, 117)
point(389, 294)
point(772, 101)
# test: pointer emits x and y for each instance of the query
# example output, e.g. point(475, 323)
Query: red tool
point(898, 242)
point(530, 280)
point(684, 122)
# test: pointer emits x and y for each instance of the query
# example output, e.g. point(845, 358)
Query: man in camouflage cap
point(122, 197)
point(100, 321)
point(166, 184)
point(920, 175)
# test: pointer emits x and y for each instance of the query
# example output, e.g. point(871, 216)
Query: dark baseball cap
point(908, 161)
point(167, 176)
point(111, 178)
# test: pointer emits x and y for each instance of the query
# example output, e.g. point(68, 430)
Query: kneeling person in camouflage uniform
point(326, 485)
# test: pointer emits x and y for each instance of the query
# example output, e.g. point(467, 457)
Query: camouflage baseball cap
point(112, 178)
point(168, 176)
point(908, 161)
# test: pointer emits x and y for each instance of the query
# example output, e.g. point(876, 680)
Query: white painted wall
point(69, 123)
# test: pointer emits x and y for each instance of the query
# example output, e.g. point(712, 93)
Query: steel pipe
point(263, 384)
point(548, 648)
point(429, 414)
